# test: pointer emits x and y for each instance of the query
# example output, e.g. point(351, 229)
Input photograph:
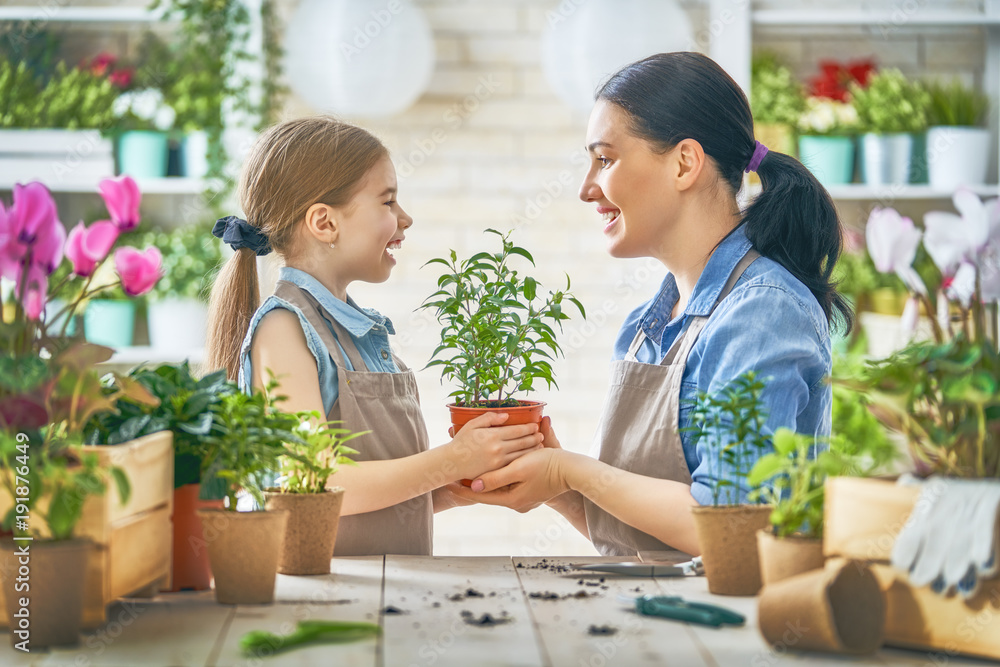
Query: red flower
point(834, 78)
point(121, 78)
point(101, 63)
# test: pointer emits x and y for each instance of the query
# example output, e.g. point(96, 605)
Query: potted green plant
point(313, 506)
point(144, 119)
point(777, 101)
point(246, 443)
point(496, 337)
point(958, 144)
point(891, 110)
point(186, 407)
point(730, 424)
point(176, 306)
point(826, 139)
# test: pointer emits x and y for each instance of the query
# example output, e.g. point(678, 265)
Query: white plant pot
point(957, 156)
point(177, 324)
point(885, 158)
point(195, 154)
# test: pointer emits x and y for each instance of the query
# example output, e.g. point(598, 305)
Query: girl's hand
point(483, 444)
point(526, 483)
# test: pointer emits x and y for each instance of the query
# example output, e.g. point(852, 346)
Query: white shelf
point(144, 354)
point(862, 192)
point(873, 19)
point(53, 12)
point(147, 186)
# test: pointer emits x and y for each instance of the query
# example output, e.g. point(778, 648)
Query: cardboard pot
point(190, 567)
point(243, 548)
point(839, 608)
point(56, 581)
point(783, 557)
point(728, 539)
point(312, 529)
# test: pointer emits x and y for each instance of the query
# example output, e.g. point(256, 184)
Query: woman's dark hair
point(670, 97)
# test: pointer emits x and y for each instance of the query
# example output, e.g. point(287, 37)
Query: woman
point(670, 138)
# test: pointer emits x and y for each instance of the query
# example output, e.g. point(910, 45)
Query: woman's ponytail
point(794, 222)
point(235, 297)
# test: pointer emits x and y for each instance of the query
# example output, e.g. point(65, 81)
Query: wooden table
point(550, 609)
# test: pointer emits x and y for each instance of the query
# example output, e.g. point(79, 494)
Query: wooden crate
point(132, 541)
point(862, 519)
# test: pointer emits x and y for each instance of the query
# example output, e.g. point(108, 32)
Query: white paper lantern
point(368, 58)
point(582, 47)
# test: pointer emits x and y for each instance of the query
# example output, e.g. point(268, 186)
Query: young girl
point(322, 194)
point(670, 139)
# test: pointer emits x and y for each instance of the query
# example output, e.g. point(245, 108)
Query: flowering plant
point(834, 79)
point(826, 116)
point(943, 394)
point(891, 103)
point(144, 110)
point(775, 95)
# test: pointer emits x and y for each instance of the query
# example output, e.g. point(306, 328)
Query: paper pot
point(243, 548)
point(55, 597)
point(312, 529)
point(839, 608)
point(783, 557)
point(728, 539)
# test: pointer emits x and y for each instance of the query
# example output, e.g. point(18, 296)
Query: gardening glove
point(949, 541)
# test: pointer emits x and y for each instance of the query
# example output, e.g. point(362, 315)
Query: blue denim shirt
point(769, 323)
point(369, 330)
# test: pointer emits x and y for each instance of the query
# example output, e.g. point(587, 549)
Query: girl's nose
point(405, 221)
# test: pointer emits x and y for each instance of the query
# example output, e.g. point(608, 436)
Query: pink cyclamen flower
point(892, 243)
point(85, 248)
point(33, 212)
point(122, 198)
point(48, 249)
point(35, 291)
point(138, 271)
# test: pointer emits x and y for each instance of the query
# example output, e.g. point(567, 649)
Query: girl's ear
point(690, 160)
point(322, 223)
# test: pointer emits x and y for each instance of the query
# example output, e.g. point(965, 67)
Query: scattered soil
point(485, 620)
point(436, 604)
point(391, 611)
point(546, 564)
point(601, 630)
point(469, 593)
point(549, 595)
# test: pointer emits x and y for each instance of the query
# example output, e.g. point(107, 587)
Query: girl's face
point(371, 226)
point(629, 183)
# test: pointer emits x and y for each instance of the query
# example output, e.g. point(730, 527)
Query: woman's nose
point(589, 190)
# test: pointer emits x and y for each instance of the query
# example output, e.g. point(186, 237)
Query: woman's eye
point(604, 162)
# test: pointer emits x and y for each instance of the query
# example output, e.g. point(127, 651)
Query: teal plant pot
point(143, 154)
point(109, 322)
point(918, 160)
point(59, 322)
point(830, 159)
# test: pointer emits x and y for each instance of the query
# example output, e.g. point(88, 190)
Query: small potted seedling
point(313, 507)
point(496, 336)
point(731, 426)
point(245, 445)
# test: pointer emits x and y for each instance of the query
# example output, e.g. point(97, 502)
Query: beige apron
point(388, 405)
point(638, 430)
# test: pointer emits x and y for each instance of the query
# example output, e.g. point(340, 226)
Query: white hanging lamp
point(362, 58)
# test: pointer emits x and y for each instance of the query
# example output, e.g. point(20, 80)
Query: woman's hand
point(483, 444)
point(524, 484)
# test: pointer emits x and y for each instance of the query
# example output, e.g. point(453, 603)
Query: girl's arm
point(279, 348)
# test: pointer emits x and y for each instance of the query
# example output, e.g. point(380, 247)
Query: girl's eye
point(390, 202)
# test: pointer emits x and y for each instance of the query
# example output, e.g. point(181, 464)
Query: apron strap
point(317, 316)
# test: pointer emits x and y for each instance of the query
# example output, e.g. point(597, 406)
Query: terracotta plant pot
point(728, 539)
point(190, 566)
point(244, 548)
point(839, 608)
point(312, 529)
point(783, 557)
point(528, 412)
point(55, 596)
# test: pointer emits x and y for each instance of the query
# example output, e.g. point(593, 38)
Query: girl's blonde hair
point(293, 165)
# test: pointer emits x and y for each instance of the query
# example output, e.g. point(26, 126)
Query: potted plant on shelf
point(176, 306)
point(143, 119)
point(891, 110)
point(730, 423)
point(943, 396)
point(49, 388)
point(496, 340)
point(958, 146)
point(826, 140)
point(246, 443)
point(313, 506)
point(777, 101)
point(186, 407)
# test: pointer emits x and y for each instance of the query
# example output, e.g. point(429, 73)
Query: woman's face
point(629, 183)
point(371, 226)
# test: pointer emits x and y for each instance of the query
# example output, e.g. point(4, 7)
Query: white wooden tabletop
point(424, 604)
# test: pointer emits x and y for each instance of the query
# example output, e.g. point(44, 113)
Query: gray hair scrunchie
point(238, 233)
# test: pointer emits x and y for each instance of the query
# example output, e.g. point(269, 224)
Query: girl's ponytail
point(235, 297)
point(794, 222)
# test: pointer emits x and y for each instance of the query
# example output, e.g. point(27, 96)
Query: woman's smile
point(610, 215)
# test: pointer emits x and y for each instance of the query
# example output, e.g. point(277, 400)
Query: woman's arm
point(279, 348)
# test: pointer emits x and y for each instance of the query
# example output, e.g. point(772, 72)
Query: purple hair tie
point(759, 151)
